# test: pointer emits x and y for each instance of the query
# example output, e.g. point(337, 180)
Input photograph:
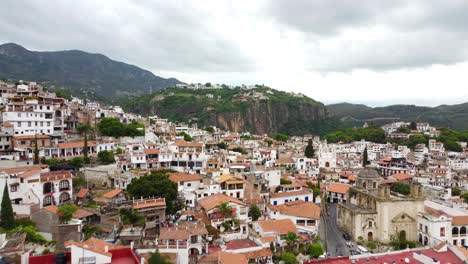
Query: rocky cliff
point(261, 111)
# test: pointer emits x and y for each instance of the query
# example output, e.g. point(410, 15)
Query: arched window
point(48, 187)
point(455, 231)
point(64, 197)
point(47, 200)
point(64, 185)
point(463, 230)
point(420, 238)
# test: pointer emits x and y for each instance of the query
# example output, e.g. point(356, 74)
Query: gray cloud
point(195, 38)
point(163, 35)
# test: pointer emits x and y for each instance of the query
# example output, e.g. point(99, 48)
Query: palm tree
point(225, 209)
point(84, 130)
point(291, 239)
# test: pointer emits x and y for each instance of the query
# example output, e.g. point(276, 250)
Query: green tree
point(281, 137)
point(131, 217)
point(106, 157)
point(36, 151)
point(157, 258)
point(157, 184)
point(315, 250)
point(413, 125)
point(77, 162)
point(112, 127)
point(309, 150)
point(7, 216)
point(254, 212)
point(285, 181)
point(401, 188)
point(288, 258)
point(291, 239)
point(186, 136)
point(90, 231)
point(456, 191)
point(66, 212)
point(85, 148)
point(365, 158)
point(225, 209)
point(222, 145)
point(464, 197)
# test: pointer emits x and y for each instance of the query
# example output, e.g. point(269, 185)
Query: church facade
point(374, 213)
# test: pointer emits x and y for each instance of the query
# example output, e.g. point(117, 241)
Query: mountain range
point(451, 116)
point(81, 72)
point(99, 77)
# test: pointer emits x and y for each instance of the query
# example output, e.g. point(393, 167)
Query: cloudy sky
point(377, 53)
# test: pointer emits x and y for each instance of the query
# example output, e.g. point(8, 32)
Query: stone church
point(374, 213)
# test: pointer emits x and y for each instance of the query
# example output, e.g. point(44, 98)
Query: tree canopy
point(66, 212)
point(309, 150)
point(7, 220)
point(401, 188)
point(112, 127)
point(157, 184)
point(254, 212)
point(281, 137)
point(315, 250)
point(372, 133)
point(288, 258)
point(106, 157)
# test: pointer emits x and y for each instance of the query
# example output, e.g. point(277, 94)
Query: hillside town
point(84, 182)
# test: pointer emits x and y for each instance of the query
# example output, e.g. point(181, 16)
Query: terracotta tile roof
point(112, 194)
point(157, 202)
point(76, 144)
point(82, 193)
point(280, 227)
point(32, 137)
point(152, 151)
point(268, 239)
point(229, 177)
point(212, 201)
point(95, 245)
point(81, 213)
point(402, 176)
point(222, 257)
point(184, 177)
point(298, 209)
point(51, 209)
point(338, 188)
point(287, 194)
point(23, 169)
point(55, 175)
point(252, 255)
point(28, 174)
point(460, 220)
point(183, 143)
point(174, 233)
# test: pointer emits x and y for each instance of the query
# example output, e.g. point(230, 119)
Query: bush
point(106, 157)
point(401, 188)
point(371, 245)
point(288, 258)
point(315, 250)
point(281, 137)
point(254, 212)
point(456, 191)
point(284, 181)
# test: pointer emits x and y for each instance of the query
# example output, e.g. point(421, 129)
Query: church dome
point(368, 173)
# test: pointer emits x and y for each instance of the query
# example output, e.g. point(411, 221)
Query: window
point(370, 223)
point(19, 114)
point(189, 185)
point(442, 231)
point(19, 124)
point(29, 123)
point(14, 188)
point(420, 227)
point(425, 229)
point(64, 185)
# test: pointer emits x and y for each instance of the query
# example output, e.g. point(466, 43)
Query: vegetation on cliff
point(261, 110)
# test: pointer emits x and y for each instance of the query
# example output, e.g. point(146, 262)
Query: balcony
point(173, 244)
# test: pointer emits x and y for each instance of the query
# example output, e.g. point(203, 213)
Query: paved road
point(336, 244)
